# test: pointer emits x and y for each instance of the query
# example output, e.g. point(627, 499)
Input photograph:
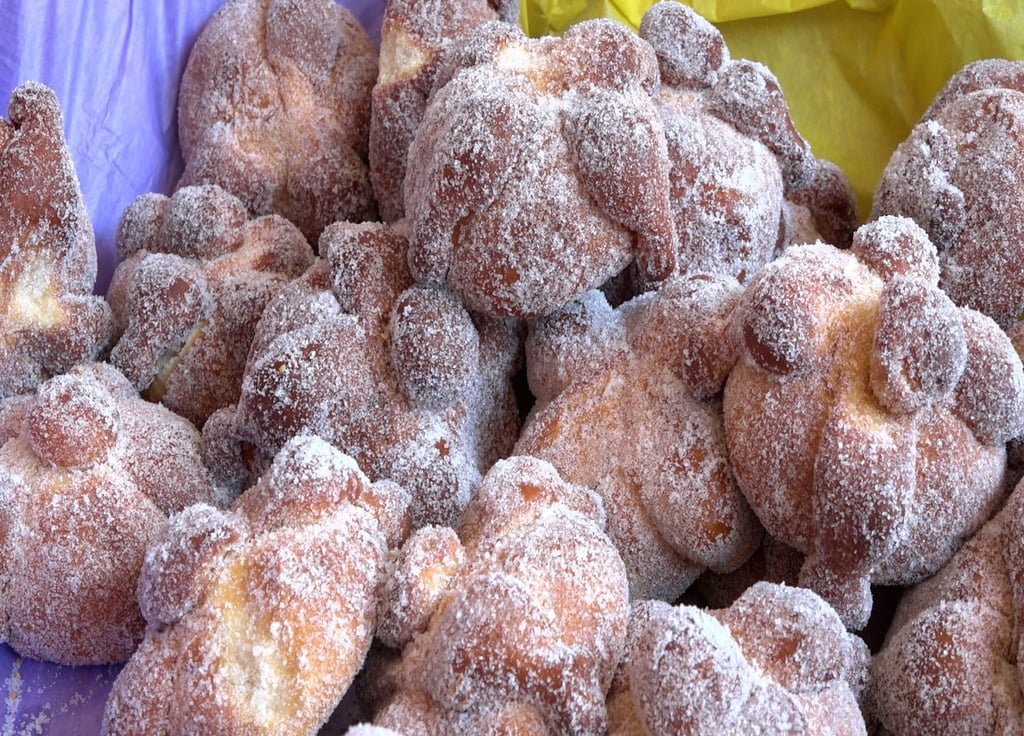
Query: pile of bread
point(518, 385)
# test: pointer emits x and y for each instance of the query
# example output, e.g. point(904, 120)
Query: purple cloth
point(47, 699)
point(115, 68)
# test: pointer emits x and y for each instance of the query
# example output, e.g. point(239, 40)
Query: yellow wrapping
point(857, 74)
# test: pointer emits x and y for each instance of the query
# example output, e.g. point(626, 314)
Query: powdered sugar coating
point(195, 279)
point(274, 106)
point(745, 183)
point(434, 346)
point(690, 50)
point(957, 175)
point(269, 629)
point(920, 348)
point(950, 663)
point(777, 661)
point(897, 246)
point(988, 397)
point(419, 579)
point(414, 37)
point(796, 636)
point(367, 729)
point(876, 473)
point(49, 318)
point(321, 362)
point(529, 627)
point(12, 415)
point(749, 96)
point(727, 190)
point(83, 489)
point(527, 169)
point(577, 339)
point(182, 560)
point(72, 422)
point(636, 418)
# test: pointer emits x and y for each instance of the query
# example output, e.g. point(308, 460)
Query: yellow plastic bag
point(857, 74)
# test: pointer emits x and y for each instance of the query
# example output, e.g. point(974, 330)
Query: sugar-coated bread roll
point(194, 277)
point(959, 175)
point(628, 405)
point(414, 36)
point(951, 660)
point(778, 660)
point(274, 106)
point(49, 318)
point(402, 378)
point(867, 417)
point(540, 169)
point(260, 616)
point(85, 484)
point(513, 622)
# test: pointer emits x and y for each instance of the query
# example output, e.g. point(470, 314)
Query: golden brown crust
point(957, 175)
point(777, 660)
point(195, 277)
point(274, 105)
point(84, 488)
point(851, 415)
point(950, 662)
point(525, 172)
point(259, 617)
point(414, 37)
point(628, 407)
point(322, 361)
point(49, 318)
point(519, 634)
